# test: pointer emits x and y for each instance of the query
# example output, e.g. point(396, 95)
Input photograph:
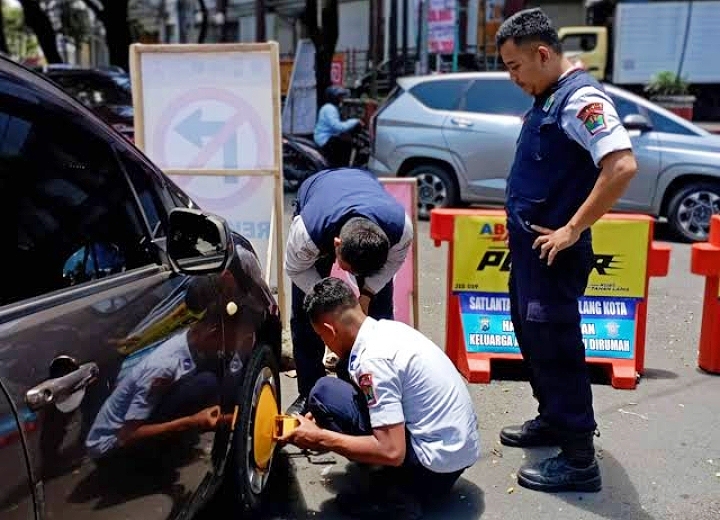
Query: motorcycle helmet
point(335, 94)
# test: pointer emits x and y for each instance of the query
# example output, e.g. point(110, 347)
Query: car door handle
point(60, 388)
point(465, 123)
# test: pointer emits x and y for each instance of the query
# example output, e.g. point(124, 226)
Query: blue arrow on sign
point(194, 128)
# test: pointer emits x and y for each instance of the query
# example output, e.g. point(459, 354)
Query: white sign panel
point(209, 116)
point(208, 111)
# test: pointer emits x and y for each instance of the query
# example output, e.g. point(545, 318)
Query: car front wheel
point(436, 189)
point(253, 444)
point(690, 209)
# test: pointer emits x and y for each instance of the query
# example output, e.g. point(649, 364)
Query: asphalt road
point(659, 447)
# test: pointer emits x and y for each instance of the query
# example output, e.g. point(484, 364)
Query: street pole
point(260, 21)
point(456, 39)
point(423, 31)
point(392, 43)
point(406, 20)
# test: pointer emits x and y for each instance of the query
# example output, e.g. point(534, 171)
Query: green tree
point(19, 40)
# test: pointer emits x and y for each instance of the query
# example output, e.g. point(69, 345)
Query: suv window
point(497, 96)
point(663, 124)
point(625, 107)
point(77, 218)
point(441, 94)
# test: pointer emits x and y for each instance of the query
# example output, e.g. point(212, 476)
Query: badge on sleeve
point(592, 117)
point(366, 386)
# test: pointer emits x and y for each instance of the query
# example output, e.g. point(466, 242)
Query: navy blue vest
point(552, 174)
point(329, 198)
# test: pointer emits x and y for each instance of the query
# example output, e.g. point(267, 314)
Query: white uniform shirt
point(406, 378)
point(589, 118)
point(301, 253)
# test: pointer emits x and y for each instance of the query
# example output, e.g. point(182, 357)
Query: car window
point(625, 107)
point(660, 123)
point(149, 193)
point(440, 94)
point(501, 97)
point(663, 124)
point(94, 90)
point(579, 42)
point(77, 218)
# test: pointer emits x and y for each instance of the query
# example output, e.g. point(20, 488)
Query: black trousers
point(544, 309)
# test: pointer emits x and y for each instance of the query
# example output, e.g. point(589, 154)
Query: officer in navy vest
point(573, 161)
point(342, 214)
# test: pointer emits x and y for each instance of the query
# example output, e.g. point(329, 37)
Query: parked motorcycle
point(302, 157)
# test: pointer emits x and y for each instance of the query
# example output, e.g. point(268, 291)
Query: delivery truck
point(638, 40)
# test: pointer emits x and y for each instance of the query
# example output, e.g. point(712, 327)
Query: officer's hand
point(207, 419)
point(552, 242)
point(305, 436)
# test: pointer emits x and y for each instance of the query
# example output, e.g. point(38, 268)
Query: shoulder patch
point(366, 387)
point(592, 117)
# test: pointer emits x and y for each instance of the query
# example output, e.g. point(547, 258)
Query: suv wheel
point(436, 188)
point(690, 209)
point(253, 444)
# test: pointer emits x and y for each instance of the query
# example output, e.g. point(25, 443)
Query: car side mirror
point(198, 242)
point(636, 122)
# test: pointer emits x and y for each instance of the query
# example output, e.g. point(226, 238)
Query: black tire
point(690, 209)
point(249, 482)
point(437, 188)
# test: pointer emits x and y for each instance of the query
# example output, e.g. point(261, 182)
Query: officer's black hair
point(364, 246)
point(327, 296)
point(529, 26)
point(201, 296)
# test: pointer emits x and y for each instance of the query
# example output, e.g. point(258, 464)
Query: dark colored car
point(105, 90)
point(139, 344)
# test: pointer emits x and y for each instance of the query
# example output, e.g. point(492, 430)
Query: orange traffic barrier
point(614, 310)
point(705, 261)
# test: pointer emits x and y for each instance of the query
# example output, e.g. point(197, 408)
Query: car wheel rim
point(260, 444)
point(432, 193)
point(694, 212)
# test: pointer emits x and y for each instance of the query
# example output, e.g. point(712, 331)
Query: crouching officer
point(573, 161)
point(407, 407)
point(344, 214)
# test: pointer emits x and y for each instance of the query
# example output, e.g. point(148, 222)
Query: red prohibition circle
point(244, 112)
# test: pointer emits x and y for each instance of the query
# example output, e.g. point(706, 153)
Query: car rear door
point(483, 132)
point(95, 326)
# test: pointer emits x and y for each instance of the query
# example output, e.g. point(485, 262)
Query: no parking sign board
point(209, 116)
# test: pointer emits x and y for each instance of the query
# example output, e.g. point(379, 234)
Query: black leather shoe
point(532, 433)
point(299, 407)
point(558, 474)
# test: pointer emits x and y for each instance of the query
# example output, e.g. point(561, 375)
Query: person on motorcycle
point(332, 134)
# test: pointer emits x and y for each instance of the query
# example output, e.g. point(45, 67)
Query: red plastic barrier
point(478, 326)
point(705, 261)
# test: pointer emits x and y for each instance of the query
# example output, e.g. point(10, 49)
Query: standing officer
point(408, 408)
point(344, 214)
point(574, 160)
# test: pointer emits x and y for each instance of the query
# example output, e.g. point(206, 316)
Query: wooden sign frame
point(274, 254)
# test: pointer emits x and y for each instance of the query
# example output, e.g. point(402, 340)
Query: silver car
point(456, 133)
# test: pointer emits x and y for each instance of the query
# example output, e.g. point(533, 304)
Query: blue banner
point(608, 325)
